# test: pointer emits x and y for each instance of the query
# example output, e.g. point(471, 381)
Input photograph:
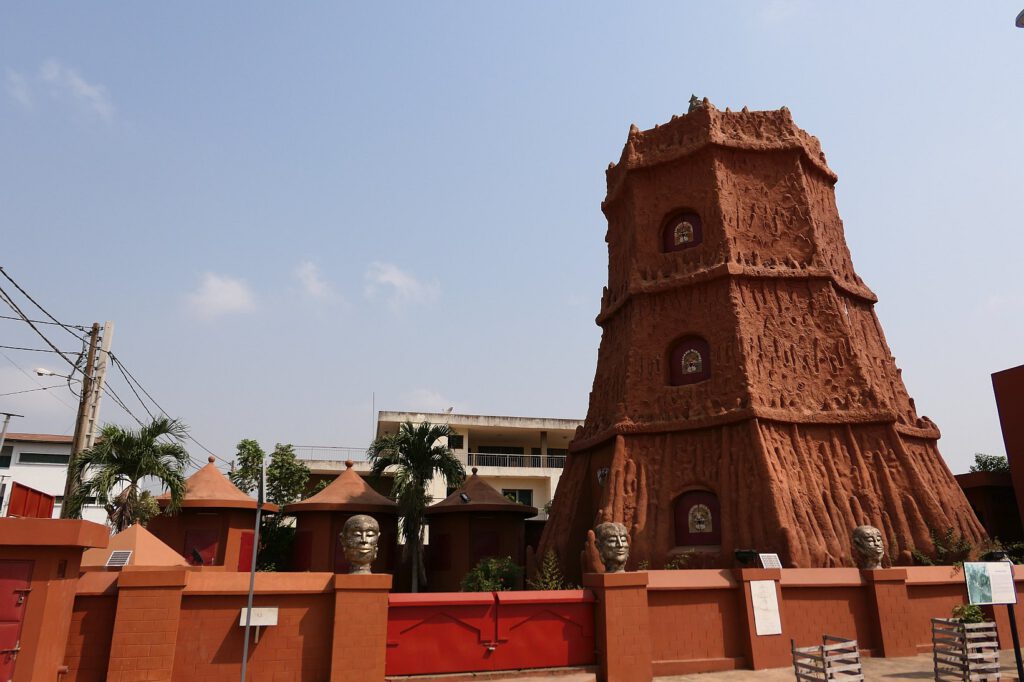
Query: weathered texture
point(804, 429)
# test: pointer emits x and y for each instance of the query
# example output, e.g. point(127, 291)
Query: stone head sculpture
point(613, 546)
point(359, 537)
point(868, 546)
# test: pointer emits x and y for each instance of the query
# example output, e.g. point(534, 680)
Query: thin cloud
point(18, 88)
point(220, 295)
point(388, 281)
point(65, 82)
point(313, 282)
point(427, 400)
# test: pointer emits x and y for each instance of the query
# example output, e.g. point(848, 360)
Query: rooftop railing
point(486, 459)
point(330, 452)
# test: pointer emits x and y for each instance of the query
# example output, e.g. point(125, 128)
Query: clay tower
point(745, 396)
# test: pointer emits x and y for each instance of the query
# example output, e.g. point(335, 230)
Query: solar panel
point(119, 558)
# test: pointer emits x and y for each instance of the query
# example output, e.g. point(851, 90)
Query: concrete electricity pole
point(93, 378)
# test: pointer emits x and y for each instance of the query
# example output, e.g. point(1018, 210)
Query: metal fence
point(330, 452)
point(486, 459)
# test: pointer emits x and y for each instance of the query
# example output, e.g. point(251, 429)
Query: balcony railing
point(330, 453)
point(485, 459)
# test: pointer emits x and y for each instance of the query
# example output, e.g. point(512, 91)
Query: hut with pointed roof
point(473, 523)
point(320, 518)
point(215, 525)
point(145, 551)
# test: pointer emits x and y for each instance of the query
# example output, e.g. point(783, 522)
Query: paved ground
point(911, 668)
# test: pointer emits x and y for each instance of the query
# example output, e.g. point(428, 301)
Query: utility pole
point(97, 387)
point(3, 437)
point(81, 421)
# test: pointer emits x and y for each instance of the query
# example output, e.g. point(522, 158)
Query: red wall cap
point(612, 580)
point(362, 581)
point(545, 597)
point(748, 574)
point(698, 579)
point(886, 575)
point(135, 578)
point(53, 533)
point(96, 583)
point(442, 599)
point(821, 577)
point(232, 582)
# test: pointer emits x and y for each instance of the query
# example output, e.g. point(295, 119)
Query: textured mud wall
point(804, 429)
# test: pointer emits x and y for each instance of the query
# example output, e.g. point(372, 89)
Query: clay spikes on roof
point(209, 488)
point(347, 493)
point(476, 495)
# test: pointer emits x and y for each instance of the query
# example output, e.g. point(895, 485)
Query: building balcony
point(510, 460)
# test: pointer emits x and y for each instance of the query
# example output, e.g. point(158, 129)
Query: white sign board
point(264, 615)
point(766, 607)
point(990, 582)
point(770, 561)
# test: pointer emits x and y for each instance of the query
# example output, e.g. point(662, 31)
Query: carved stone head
point(359, 537)
point(868, 545)
point(613, 546)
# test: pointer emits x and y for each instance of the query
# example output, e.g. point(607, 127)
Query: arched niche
point(689, 361)
point(682, 230)
point(698, 519)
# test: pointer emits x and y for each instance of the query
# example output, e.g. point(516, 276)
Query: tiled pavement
point(910, 668)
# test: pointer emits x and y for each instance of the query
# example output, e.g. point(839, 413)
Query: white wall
point(47, 478)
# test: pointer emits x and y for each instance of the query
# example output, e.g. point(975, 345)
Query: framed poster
point(990, 582)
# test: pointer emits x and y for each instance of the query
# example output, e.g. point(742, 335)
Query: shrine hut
point(473, 523)
point(215, 524)
point(320, 518)
point(134, 546)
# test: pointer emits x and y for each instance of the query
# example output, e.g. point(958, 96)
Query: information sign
point(990, 582)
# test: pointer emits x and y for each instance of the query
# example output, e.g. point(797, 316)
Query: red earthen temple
point(745, 396)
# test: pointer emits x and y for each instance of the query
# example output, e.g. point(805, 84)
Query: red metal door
point(15, 578)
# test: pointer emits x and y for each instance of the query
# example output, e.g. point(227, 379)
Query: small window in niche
point(689, 362)
point(682, 231)
point(698, 519)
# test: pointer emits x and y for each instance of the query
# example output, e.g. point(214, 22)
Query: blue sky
point(287, 209)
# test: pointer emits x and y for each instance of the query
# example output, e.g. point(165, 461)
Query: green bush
point(550, 577)
point(492, 575)
point(678, 561)
point(969, 613)
point(993, 463)
point(951, 549)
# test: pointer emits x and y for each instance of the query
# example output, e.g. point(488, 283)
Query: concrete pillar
point(360, 627)
point(888, 588)
point(543, 448)
point(763, 651)
point(623, 626)
point(145, 635)
point(47, 553)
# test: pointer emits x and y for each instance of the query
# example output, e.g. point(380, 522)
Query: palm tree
point(122, 458)
point(413, 457)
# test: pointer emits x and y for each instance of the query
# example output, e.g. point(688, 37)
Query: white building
point(40, 461)
point(522, 457)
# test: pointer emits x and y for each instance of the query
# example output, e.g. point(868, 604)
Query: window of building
point(522, 496)
point(683, 230)
point(697, 519)
point(42, 458)
point(500, 449)
point(553, 452)
point(689, 361)
point(457, 441)
point(5, 456)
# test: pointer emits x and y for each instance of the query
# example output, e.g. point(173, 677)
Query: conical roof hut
point(147, 550)
point(320, 518)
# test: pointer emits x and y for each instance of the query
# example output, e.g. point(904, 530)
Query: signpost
point(990, 583)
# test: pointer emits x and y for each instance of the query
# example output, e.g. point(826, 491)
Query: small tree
point(549, 576)
point(286, 476)
point(991, 463)
point(249, 462)
point(951, 549)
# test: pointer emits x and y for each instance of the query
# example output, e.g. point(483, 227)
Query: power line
point(36, 304)
point(131, 378)
point(31, 390)
point(117, 399)
point(34, 380)
point(14, 306)
point(56, 324)
point(32, 350)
